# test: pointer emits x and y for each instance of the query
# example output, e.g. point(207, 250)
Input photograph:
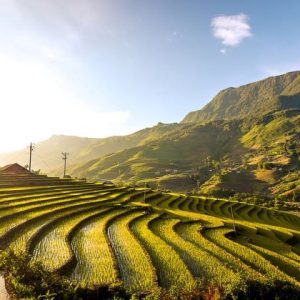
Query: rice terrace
point(103, 234)
point(149, 150)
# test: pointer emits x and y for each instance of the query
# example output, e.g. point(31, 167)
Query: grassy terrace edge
point(160, 223)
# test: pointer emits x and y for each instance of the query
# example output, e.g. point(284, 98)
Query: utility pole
point(233, 219)
point(65, 157)
point(31, 148)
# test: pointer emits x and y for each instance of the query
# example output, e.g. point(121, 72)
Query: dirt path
point(3, 292)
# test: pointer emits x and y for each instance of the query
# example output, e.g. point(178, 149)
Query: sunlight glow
point(36, 103)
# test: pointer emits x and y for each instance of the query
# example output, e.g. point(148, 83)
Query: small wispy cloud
point(174, 36)
point(223, 51)
point(231, 30)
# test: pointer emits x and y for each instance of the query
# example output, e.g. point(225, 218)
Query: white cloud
point(231, 30)
point(223, 51)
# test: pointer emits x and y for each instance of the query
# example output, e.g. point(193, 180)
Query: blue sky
point(101, 68)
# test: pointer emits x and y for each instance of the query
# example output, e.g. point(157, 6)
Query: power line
point(65, 157)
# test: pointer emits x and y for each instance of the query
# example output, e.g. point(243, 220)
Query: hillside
point(246, 140)
point(257, 155)
point(183, 149)
point(47, 154)
point(258, 98)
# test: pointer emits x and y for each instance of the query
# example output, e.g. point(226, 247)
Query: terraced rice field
point(100, 234)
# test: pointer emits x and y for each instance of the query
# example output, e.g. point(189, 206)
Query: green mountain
point(181, 149)
point(258, 98)
point(246, 140)
point(47, 154)
point(258, 155)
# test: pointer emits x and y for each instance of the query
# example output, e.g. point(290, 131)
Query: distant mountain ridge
point(258, 98)
point(47, 154)
point(259, 155)
point(247, 139)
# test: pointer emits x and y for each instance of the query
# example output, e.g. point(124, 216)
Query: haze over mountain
point(47, 154)
point(218, 148)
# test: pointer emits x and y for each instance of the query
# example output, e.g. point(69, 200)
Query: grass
point(136, 268)
point(201, 263)
point(245, 254)
point(96, 264)
point(145, 239)
point(46, 250)
point(171, 270)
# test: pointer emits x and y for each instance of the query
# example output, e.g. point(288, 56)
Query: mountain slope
point(181, 150)
point(258, 98)
point(47, 154)
point(255, 152)
point(255, 155)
